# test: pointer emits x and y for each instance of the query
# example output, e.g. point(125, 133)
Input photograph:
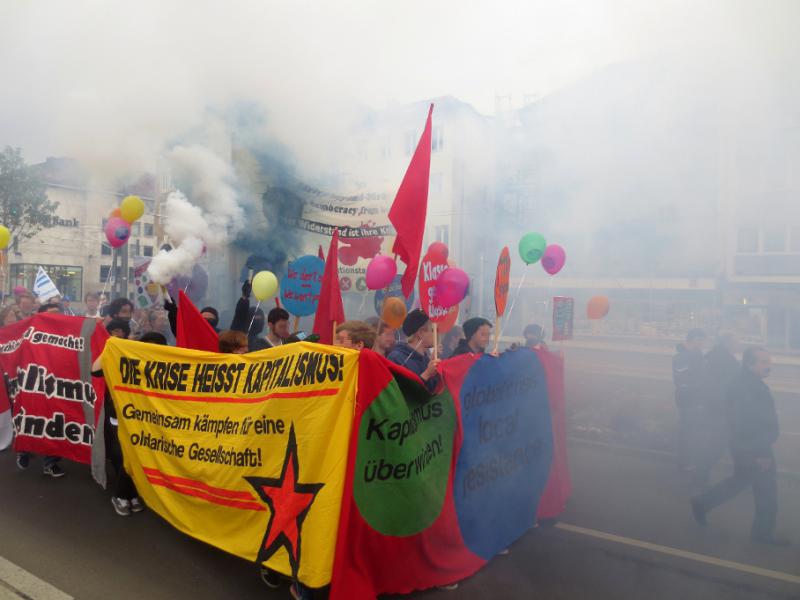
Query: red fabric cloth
point(410, 208)
point(320, 253)
point(368, 563)
point(559, 483)
point(193, 330)
point(330, 309)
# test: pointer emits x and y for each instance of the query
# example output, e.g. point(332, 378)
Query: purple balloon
point(451, 287)
point(553, 259)
point(380, 272)
point(118, 231)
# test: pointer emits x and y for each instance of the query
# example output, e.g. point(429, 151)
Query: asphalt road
point(627, 532)
point(65, 533)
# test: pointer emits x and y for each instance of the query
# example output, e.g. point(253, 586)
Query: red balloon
point(380, 272)
point(451, 287)
point(439, 249)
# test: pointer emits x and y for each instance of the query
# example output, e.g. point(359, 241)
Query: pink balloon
point(380, 272)
point(118, 231)
point(439, 249)
point(553, 259)
point(451, 287)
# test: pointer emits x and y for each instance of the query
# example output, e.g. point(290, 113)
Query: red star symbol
point(289, 503)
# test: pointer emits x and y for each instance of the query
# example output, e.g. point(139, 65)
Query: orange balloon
point(394, 312)
point(598, 307)
point(115, 213)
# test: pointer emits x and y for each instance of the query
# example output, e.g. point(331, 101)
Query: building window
point(443, 234)
point(747, 240)
point(136, 228)
point(437, 139)
point(105, 249)
point(68, 279)
point(104, 270)
point(147, 251)
point(410, 142)
point(386, 148)
point(774, 239)
point(135, 246)
point(435, 187)
point(148, 229)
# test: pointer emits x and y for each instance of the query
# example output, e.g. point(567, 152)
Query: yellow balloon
point(5, 237)
point(265, 285)
point(131, 208)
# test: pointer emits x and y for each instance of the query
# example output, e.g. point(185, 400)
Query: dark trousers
point(765, 493)
point(124, 487)
point(689, 418)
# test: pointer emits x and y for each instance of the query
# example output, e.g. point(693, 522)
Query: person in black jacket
point(477, 335)
point(250, 320)
point(413, 353)
point(687, 375)
point(720, 369)
point(753, 430)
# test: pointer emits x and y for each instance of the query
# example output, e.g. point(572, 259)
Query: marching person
point(477, 335)
point(355, 335)
point(413, 353)
point(753, 430)
point(687, 375)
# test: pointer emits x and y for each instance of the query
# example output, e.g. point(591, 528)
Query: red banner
point(57, 404)
point(438, 486)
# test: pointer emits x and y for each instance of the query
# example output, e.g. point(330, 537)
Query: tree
point(24, 206)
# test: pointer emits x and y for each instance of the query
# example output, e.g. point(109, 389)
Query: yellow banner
point(244, 452)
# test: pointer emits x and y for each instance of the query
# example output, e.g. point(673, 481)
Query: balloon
point(597, 308)
point(380, 272)
point(131, 208)
point(117, 231)
point(394, 312)
point(451, 287)
point(115, 213)
point(439, 249)
point(553, 259)
point(265, 285)
point(531, 247)
point(5, 237)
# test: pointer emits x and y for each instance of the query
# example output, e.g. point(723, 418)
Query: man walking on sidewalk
point(754, 429)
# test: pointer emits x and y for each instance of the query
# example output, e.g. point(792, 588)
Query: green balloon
point(531, 247)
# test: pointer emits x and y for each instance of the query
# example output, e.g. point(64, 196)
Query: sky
point(112, 82)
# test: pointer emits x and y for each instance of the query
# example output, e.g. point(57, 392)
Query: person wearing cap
point(413, 353)
point(534, 337)
point(477, 335)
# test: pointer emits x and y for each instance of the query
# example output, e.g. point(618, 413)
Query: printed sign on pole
point(501, 282)
point(300, 287)
point(563, 317)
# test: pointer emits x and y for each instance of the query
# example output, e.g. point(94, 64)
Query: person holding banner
point(26, 304)
point(477, 335)
point(355, 335)
point(413, 353)
point(534, 337)
point(278, 325)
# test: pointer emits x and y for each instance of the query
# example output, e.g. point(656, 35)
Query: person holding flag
point(413, 353)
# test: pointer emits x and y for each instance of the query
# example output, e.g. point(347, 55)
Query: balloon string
point(258, 304)
point(108, 276)
point(507, 318)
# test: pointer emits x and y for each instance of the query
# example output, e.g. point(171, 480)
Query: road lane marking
point(703, 558)
point(589, 442)
point(22, 584)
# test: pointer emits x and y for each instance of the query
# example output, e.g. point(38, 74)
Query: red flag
point(193, 330)
point(410, 207)
point(320, 253)
point(330, 308)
